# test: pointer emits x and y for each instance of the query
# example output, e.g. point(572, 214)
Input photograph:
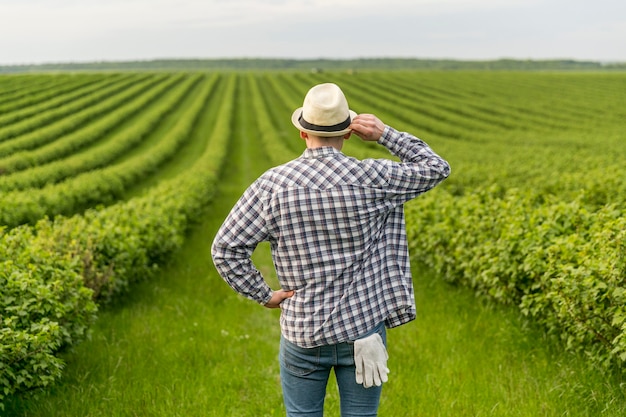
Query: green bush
point(559, 262)
point(101, 186)
point(52, 272)
point(44, 306)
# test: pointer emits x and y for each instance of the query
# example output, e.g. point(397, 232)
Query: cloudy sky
point(37, 31)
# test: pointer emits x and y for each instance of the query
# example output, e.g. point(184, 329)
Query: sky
point(52, 31)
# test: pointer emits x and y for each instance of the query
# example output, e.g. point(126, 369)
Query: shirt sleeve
point(241, 232)
point(421, 168)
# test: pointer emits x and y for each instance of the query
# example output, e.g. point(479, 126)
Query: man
point(337, 234)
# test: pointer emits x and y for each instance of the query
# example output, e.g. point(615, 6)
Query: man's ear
point(347, 135)
point(303, 135)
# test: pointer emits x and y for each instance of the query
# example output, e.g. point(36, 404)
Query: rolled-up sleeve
point(234, 243)
point(421, 168)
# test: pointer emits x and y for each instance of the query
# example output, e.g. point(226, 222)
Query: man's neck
point(314, 142)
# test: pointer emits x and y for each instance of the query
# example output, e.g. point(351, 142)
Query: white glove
point(370, 359)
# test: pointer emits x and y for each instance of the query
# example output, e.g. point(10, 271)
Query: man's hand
point(368, 127)
point(370, 359)
point(278, 297)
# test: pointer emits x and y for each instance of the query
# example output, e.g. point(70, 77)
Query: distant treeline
point(319, 65)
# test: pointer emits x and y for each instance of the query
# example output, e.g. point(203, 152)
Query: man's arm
point(239, 235)
point(242, 230)
point(422, 168)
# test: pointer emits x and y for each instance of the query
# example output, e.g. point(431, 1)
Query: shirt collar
point(322, 152)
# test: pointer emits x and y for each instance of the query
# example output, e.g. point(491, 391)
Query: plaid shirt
point(337, 234)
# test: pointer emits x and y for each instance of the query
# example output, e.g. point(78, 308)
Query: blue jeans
point(304, 375)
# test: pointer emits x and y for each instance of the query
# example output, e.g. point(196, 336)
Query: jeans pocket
point(380, 329)
point(299, 361)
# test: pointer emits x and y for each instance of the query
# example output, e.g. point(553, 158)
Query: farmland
point(103, 175)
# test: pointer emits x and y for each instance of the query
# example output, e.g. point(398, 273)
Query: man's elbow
point(445, 171)
point(217, 253)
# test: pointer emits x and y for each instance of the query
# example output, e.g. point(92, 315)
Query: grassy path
point(184, 344)
point(191, 150)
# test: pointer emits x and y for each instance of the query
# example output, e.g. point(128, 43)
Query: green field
point(113, 184)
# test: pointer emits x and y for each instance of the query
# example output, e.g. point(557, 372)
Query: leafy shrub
point(52, 272)
point(559, 262)
point(44, 306)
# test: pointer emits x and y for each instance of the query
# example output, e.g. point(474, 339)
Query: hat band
point(334, 128)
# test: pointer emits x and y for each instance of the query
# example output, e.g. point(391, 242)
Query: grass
point(471, 358)
point(184, 344)
point(190, 150)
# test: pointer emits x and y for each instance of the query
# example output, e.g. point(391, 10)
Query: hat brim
point(296, 115)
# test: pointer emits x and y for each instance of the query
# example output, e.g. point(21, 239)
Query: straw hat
point(325, 112)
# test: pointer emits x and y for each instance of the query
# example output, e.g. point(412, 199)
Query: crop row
point(558, 262)
point(41, 89)
point(90, 133)
point(35, 137)
point(59, 99)
point(529, 158)
point(42, 118)
point(566, 163)
point(548, 238)
point(44, 268)
point(565, 97)
point(94, 157)
point(101, 186)
point(555, 249)
point(275, 149)
point(562, 101)
point(498, 114)
point(467, 107)
point(460, 115)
